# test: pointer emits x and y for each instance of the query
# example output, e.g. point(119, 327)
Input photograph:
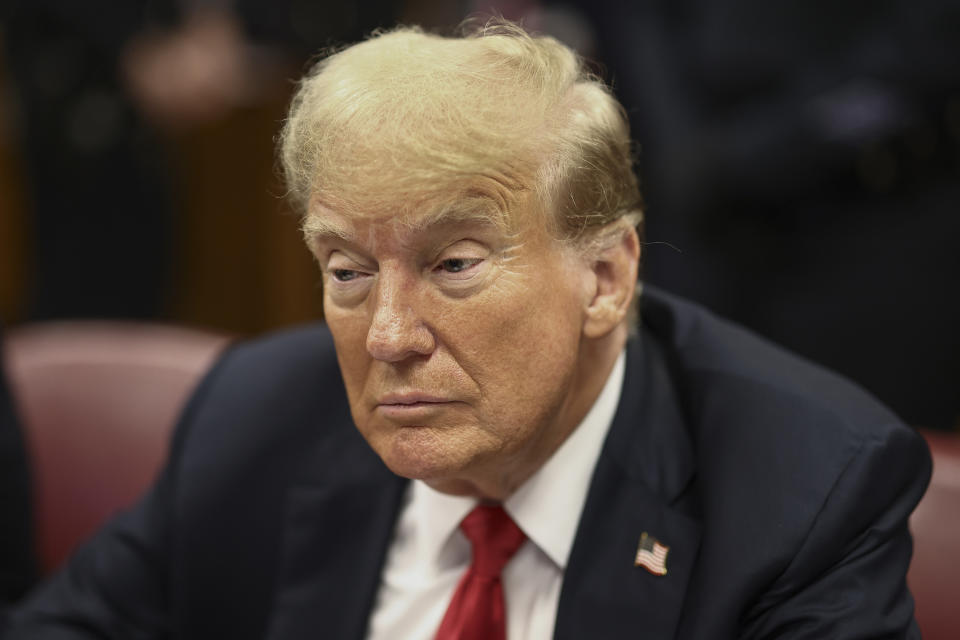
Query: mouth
point(406, 406)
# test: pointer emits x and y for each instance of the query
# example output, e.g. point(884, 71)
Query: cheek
point(349, 332)
point(520, 345)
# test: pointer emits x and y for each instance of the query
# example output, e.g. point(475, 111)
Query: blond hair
point(408, 118)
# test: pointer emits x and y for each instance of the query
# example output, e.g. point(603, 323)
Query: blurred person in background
point(802, 174)
point(95, 172)
point(101, 88)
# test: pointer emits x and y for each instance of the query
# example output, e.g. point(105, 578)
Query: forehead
point(328, 225)
point(409, 217)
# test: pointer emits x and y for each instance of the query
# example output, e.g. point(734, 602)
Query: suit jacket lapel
point(638, 486)
point(337, 530)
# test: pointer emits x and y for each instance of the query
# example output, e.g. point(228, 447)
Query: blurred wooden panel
point(240, 264)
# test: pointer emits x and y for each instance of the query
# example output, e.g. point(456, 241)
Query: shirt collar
point(547, 506)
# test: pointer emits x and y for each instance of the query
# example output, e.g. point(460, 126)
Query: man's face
point(459, 342)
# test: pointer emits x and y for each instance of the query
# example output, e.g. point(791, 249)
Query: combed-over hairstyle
point(408, 119)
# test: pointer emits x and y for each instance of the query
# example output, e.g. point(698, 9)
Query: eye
point(458, 265)
point(345, 275)
point(343, 268)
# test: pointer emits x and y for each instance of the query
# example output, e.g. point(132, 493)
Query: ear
point(614, 264)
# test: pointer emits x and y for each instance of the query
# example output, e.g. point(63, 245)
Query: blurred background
point(800, 162)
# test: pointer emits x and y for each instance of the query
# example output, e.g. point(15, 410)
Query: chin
point(418, 453)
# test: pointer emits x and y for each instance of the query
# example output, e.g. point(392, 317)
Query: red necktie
point(477, 611)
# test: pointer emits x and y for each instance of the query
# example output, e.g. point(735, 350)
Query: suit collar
point(649, 439)
point(639, 485)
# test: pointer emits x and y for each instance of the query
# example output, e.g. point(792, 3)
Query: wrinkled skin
point(462, 344)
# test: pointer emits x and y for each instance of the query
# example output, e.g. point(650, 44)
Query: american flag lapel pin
point(651, 555)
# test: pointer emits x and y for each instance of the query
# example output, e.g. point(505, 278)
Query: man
point(471, 205)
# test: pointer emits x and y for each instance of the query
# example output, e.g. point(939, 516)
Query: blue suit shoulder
point(716, 357)
point(809, 478)
point(288, 353)
point(291, 367)
point(266, 400)
point(754, 411)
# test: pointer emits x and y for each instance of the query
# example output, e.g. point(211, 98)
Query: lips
point(410, 406)
point(411, 398)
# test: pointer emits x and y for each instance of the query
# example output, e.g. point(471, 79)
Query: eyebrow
point(474, 213)
point(317, 228)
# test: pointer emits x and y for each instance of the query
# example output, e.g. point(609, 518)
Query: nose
point(397, 330)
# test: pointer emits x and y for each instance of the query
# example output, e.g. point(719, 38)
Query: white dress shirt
point(429, 553)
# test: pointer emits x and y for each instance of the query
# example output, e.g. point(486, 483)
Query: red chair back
point(934, 575)
point(97, 401)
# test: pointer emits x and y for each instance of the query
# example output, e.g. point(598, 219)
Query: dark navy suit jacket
point(17, 561)
point(782, 490)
